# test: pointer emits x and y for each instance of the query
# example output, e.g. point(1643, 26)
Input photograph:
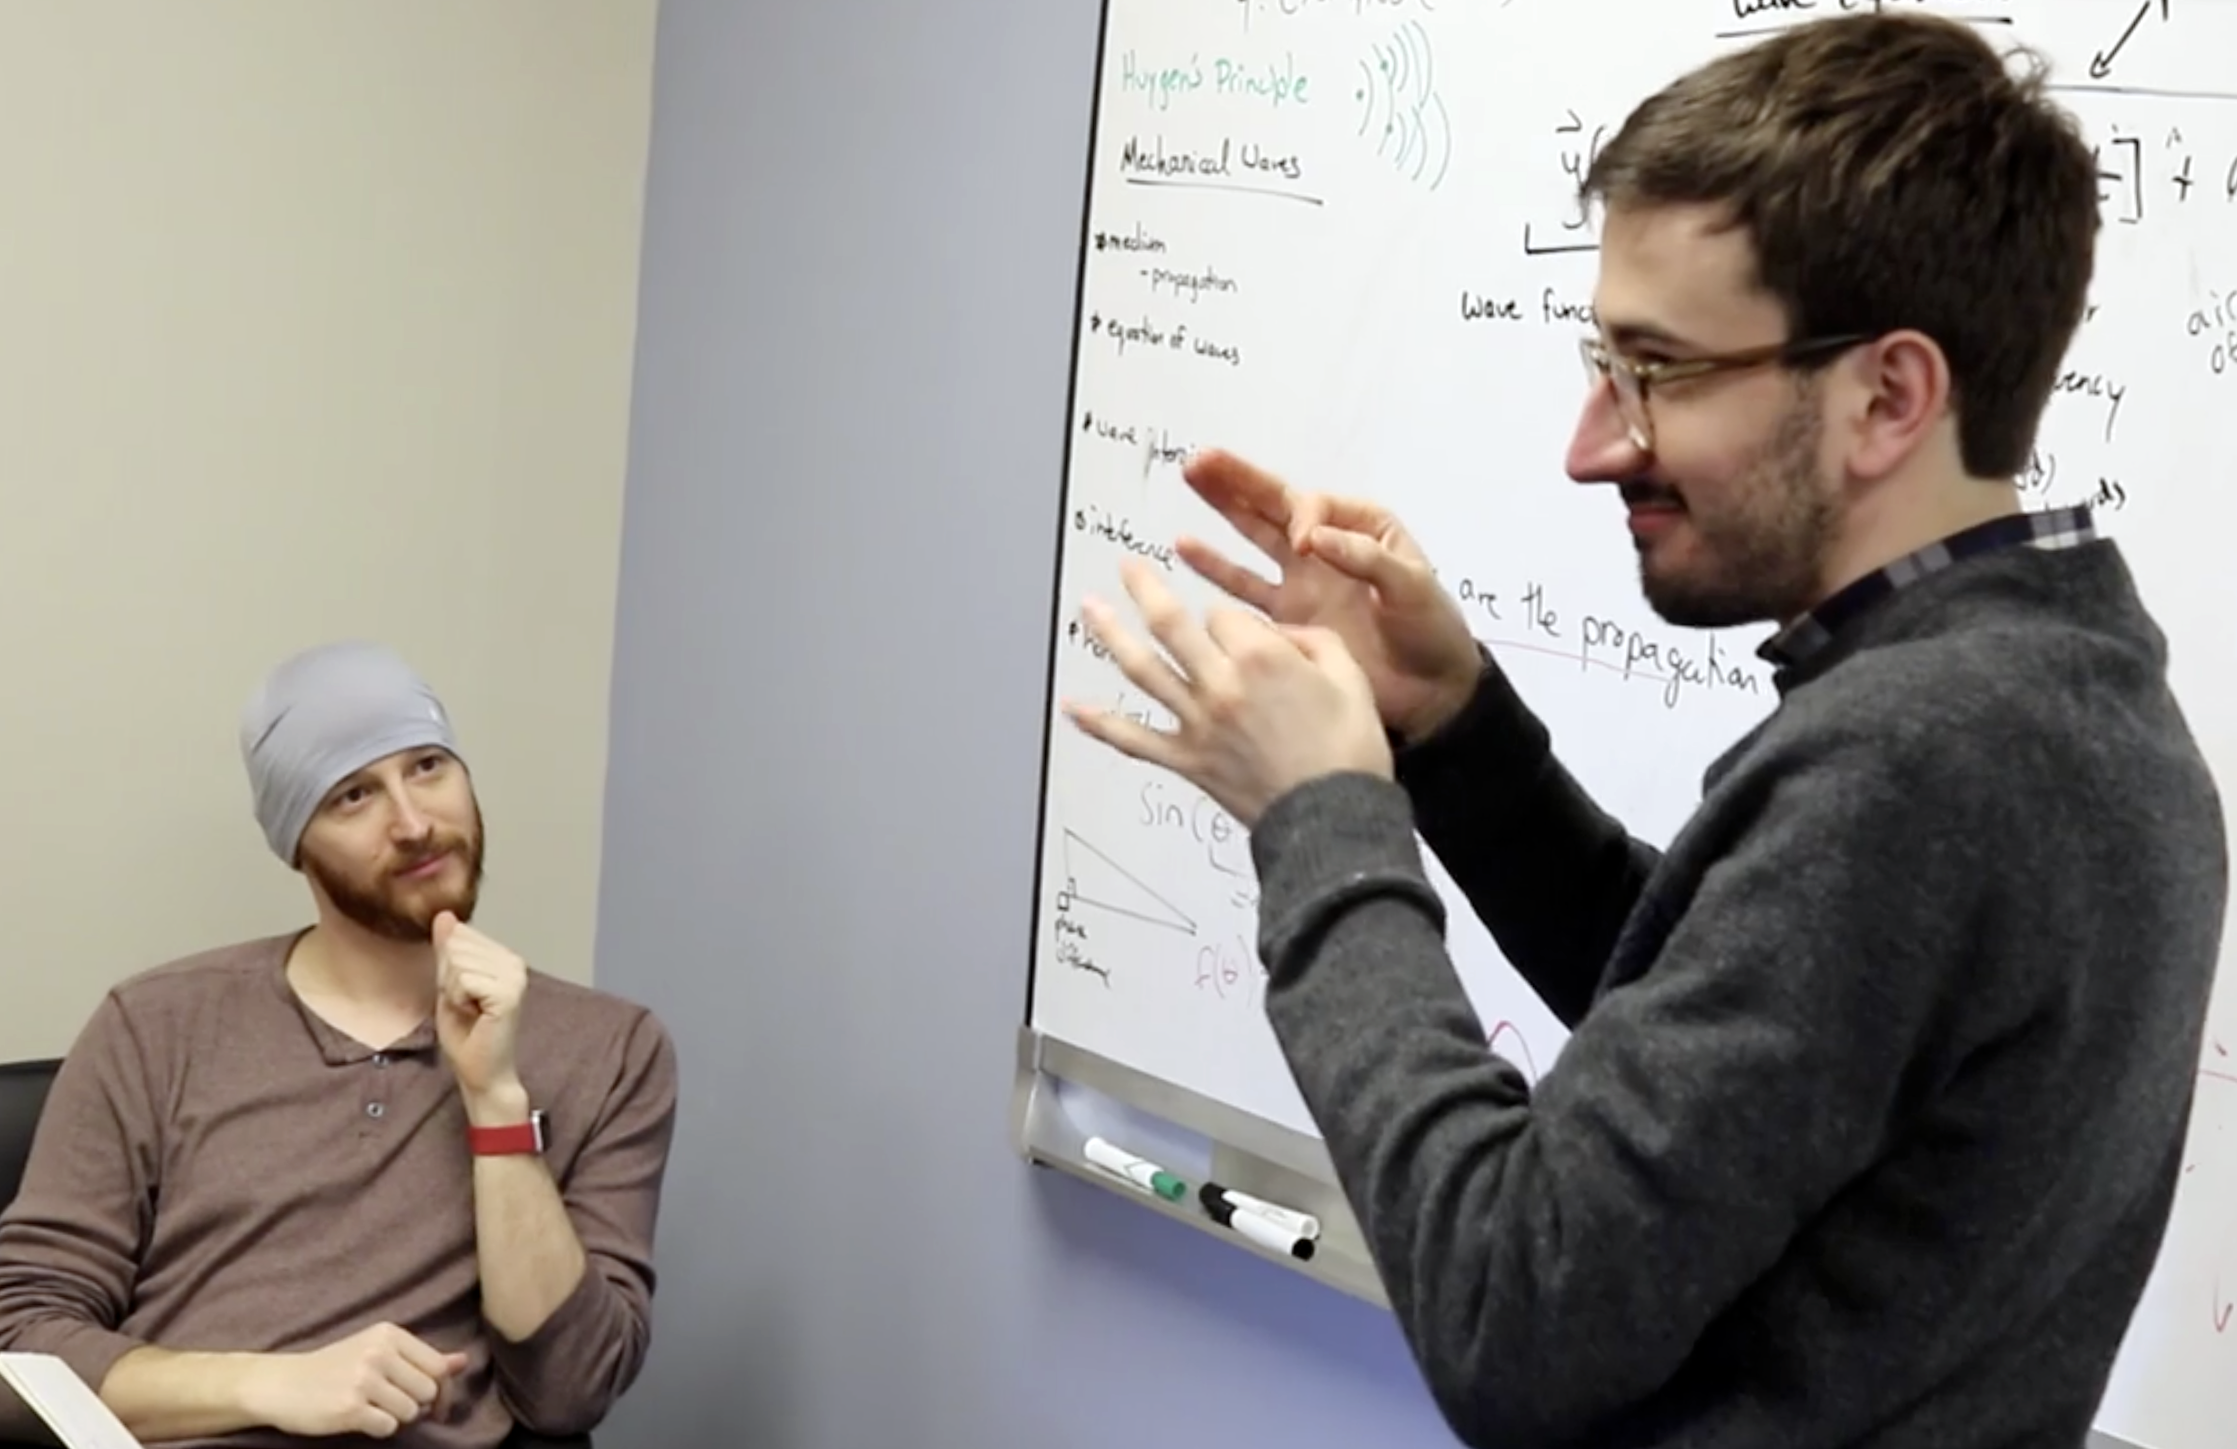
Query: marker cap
point(1266, 1233)
point(1141, 1172)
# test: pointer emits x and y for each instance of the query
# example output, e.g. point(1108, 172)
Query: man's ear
point(1899, 386)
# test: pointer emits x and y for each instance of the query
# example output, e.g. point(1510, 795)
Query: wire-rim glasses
point(1632, 378)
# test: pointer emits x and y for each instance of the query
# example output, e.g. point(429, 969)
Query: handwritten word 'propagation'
point(1192, 285)
point(1597, 642)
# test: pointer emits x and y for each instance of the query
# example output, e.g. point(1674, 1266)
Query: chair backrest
point(23, 1094)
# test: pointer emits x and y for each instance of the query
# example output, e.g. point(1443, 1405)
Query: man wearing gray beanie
point(321, 717)
point(378, 1172)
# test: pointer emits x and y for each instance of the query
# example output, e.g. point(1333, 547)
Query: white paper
point(48, 1388)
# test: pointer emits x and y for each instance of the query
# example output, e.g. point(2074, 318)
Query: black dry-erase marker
point(1263, 1231)
point(1305, 1225)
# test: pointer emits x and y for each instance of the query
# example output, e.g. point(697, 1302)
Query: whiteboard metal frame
point(1249, 1154)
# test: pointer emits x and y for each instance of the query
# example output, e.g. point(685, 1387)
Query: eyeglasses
point(1632, 378)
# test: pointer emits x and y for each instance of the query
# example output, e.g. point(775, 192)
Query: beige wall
point(315, 320)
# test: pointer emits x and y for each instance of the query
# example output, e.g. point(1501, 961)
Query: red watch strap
point(511, 1138)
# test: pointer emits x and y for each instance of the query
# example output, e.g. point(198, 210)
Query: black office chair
point(23, 1095)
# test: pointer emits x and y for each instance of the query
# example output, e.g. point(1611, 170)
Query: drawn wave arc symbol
point(1399, 103)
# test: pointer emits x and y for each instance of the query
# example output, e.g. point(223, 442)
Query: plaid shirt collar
point(1809, 635)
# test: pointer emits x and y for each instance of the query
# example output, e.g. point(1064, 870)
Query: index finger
point(1170, 622)
point(1329, 510)
point(1234, 486)
point(425, 1357)
point(421, 1387)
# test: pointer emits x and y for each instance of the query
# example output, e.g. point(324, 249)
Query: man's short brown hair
point(1892, 172)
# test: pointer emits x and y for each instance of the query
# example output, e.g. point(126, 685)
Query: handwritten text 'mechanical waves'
point(1225, 161)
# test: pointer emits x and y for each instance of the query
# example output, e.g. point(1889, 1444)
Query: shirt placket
point(378, 1095)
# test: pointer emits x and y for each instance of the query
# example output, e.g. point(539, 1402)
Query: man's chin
point(423, 913)
point(1683, 604)
point(461, 906)
point(410, 916)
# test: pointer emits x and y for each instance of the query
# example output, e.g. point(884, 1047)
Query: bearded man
point(373, 1173)
point(1879, 1074)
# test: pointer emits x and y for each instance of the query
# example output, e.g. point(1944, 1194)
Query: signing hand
point(479, 985)
point(1346, 566)
point(1260, 709)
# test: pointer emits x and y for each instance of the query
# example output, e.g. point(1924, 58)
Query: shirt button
point(380, 1059)
point(372, 1109)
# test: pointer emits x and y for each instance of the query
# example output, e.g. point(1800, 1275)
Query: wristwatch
point(511, 1138)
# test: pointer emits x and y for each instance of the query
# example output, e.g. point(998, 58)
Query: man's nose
point(409, 821)
point(1603, 450)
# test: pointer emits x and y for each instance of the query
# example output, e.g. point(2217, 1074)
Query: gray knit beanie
point(320, 716)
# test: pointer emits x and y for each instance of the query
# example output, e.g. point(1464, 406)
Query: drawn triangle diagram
point(1094, 881)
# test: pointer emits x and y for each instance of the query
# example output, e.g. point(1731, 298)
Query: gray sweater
point(1876, 1096)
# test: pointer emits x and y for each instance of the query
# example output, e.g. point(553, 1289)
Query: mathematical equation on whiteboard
point(2148, 164)
point(1106, 885)
point(2138, 174)
point(1125, 886)
point(1121, 887)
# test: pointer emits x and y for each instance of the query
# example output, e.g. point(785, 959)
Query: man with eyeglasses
point(1872, 1112)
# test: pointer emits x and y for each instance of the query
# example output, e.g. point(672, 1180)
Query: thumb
point(1326, 650)
point(454, 1363)
point(439, 930)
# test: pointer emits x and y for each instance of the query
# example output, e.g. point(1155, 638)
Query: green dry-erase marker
point(1143, 1173)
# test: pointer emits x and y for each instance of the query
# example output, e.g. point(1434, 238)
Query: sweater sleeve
point(1550, 874)
point(565, 1377)
point(71, 1241)
point(1553, 1256)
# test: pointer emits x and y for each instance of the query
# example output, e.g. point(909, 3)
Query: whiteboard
point(1340, 238)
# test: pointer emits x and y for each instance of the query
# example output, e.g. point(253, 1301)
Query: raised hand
point(1259, 708)
point(479, 988)
point(1348, 567)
